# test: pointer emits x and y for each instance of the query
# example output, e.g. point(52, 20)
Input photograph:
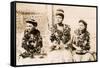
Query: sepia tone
point(44, 15)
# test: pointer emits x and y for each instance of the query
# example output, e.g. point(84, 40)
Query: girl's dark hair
point(60, 14)
point(82, 21)
point(85, 24)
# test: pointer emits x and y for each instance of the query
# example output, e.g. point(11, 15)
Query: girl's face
point(58, 19)
point(29, 27)
point(81, 26)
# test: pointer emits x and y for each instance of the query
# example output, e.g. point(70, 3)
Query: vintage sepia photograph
point(55, 33)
